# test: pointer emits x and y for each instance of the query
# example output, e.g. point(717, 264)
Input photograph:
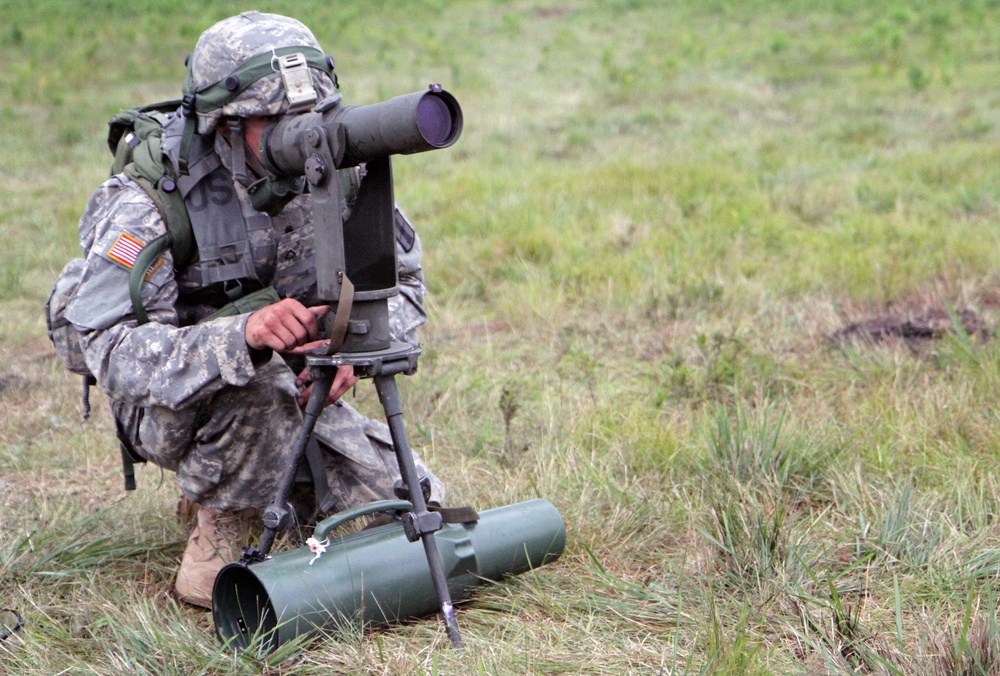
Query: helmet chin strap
point(246, 168)
point(256, 167)
point(237, 150)
point(268, 193)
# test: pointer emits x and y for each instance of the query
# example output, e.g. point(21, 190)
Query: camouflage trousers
point(230, 450)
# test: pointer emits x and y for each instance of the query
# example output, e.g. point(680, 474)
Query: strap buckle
point(188, 105)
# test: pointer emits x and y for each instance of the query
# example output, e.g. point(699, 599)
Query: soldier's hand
point(284, 325)
point(343, 381)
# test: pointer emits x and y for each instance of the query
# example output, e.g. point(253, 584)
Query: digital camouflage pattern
point(228, 44)
point(406, 311)
point(64, 336)
point(210, 411)
point(226, 459)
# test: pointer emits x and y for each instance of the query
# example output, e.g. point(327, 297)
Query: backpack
point(134, 137)
point(134, 140)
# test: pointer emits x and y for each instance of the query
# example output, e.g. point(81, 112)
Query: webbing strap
point(456, 514)
point(342, 319)
point(137, 276)
point(248, 303)
point(187, 137)
point(216, 95)
point(171, 207)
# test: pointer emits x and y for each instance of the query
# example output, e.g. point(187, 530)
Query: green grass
point(656, 217)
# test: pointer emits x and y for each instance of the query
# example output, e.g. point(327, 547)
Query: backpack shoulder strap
point(179, 238)
point(167, 198)
point(137, 276)
point(134, 137)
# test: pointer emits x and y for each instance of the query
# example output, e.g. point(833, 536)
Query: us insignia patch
point(125, 250)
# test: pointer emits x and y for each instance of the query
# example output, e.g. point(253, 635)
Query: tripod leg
point(276, 515)
point(425, 522)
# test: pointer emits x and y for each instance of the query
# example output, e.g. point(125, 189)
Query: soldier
point(216, 396)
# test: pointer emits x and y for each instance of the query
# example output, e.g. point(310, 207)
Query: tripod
point(381, 366)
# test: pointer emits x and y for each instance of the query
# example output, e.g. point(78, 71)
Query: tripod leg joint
point(416, 526)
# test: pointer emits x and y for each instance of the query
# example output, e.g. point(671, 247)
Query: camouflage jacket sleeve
point(158, 363)
point(406, 310)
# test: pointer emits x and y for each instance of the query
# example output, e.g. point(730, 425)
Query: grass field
point(717, 278)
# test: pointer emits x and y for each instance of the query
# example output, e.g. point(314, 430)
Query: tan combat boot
point(214, 542)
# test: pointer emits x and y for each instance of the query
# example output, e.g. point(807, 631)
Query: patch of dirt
point(12, 381)
point(914, 331)
point(553, 12)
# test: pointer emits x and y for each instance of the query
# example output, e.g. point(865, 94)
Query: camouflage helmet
point(237, 68)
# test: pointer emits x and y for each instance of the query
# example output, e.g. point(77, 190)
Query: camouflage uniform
point(191, 397)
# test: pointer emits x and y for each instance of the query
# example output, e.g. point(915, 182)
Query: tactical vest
point(222, 269)
point(207, 223)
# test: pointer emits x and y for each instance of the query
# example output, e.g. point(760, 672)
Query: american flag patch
point(125, 250)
